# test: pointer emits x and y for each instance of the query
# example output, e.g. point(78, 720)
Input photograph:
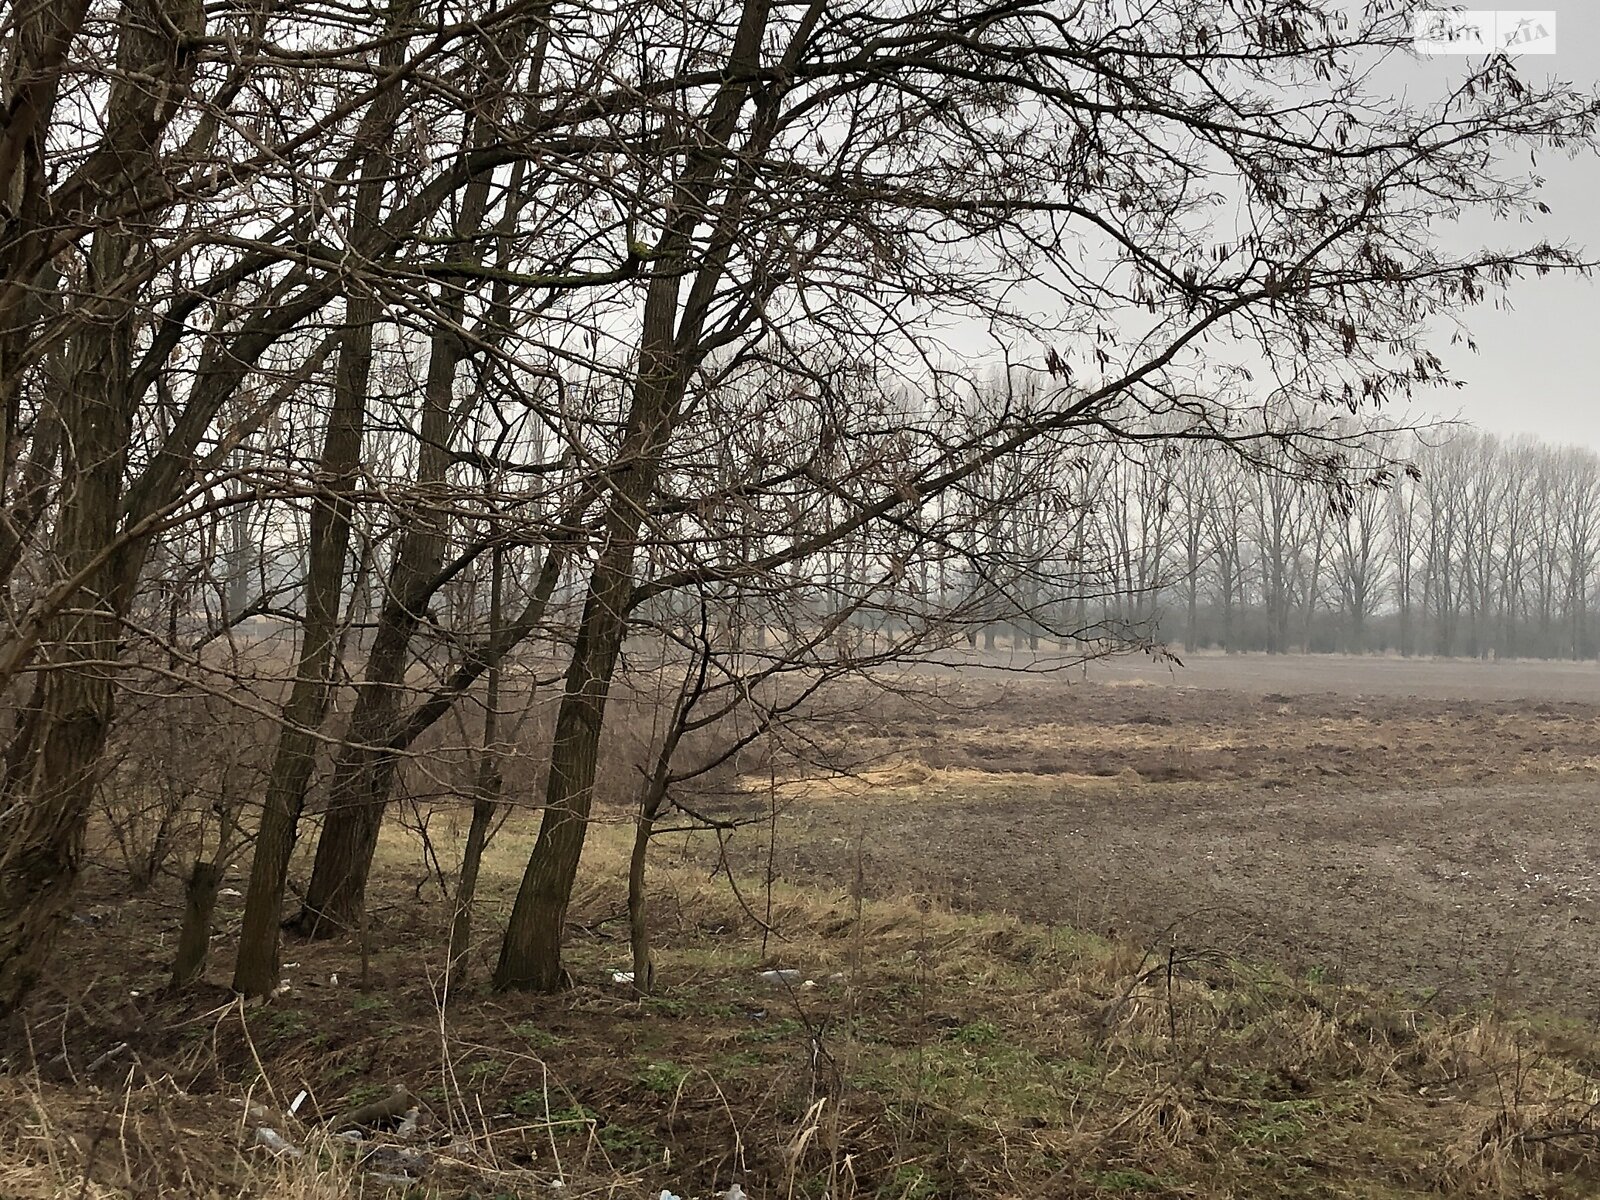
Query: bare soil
point(1343, 674)
point(1442, 845)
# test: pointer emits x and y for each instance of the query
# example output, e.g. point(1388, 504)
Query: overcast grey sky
point(1538, 366)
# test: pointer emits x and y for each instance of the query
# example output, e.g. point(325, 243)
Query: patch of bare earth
point(1447, 848)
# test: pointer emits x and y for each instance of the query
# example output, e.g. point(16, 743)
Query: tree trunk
point(364, 773)
point(670, 347)
point(484, 802)
point(530, 955)
point(335, 899)
point(256, 968)
point(638, 919)
point(194, 939)
point(44, 839)
point(46, 809)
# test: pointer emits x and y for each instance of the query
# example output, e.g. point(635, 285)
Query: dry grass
point(146, 1138)
point(1178, 733)
point(932, 1054)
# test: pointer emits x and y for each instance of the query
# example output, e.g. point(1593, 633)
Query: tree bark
point(484, 802)
point(364, 773)
point(194, 939)
point(46, 809)
point(644, 971)
point(256, 967)
point(343, 864)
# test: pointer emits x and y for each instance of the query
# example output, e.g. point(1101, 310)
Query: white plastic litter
point(735, 1193)
point(294, 1105)
point(666, 1195)
point(232, 893)
point(408, 1126)
point(780, 976)
point(622, 977)
point(274, 1141)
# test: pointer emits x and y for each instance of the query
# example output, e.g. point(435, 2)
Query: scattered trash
point(231, 893)
point(274, 1142)
point(808, 984)
point(666, 1195)
point(294, 1105)
point(351, 1135)
point(781, 976)
point(333, 980)
point(283, 986)
point(391, 1160)
point(408, 1124)
point(735, 1193)
point(622, 977)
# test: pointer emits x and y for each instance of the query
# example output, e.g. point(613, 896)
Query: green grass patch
point(662, 1078)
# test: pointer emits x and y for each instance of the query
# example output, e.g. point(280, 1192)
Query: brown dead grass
point(1175, 733)
point(938, 1054)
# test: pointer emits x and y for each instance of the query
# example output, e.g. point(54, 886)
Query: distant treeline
point(1485, 547)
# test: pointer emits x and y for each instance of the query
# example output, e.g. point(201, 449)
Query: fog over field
point(1366, 675)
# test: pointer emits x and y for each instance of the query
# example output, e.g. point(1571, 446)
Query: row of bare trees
point(1481, 547)
point(474, 347)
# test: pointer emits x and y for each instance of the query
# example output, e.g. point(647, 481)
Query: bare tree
point(1578, 522)
point(679, 282)
point(256, 973)
point(1358, 562)
point(50, 768)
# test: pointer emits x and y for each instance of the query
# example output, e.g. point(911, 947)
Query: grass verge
point(919, 1053)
